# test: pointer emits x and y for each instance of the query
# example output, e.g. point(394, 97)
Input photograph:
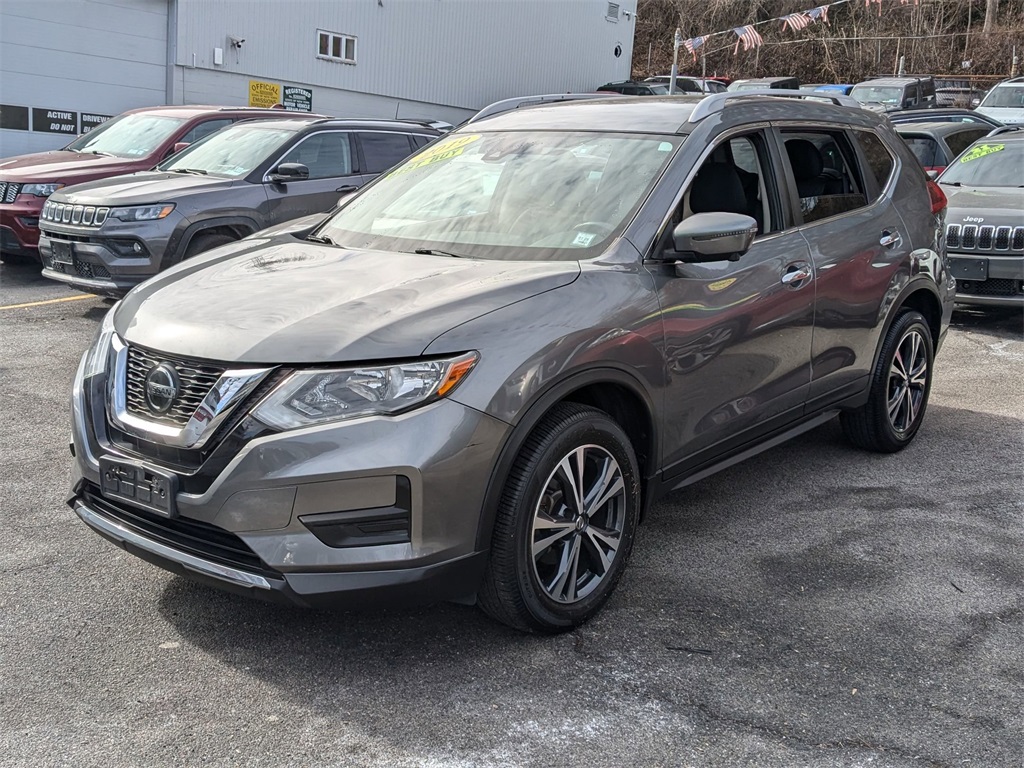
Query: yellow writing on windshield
point(436, 153)
point(981, 150)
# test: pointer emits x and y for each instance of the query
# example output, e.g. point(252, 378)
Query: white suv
point(1005, 102)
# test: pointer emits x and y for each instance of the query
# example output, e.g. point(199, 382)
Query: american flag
point(693, 44)
point(795, 21)
point(818, 14)
point(748, 36)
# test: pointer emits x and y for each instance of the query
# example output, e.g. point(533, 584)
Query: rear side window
point(383, 150)
point(825, 173)
point(420, 141)
point(958, 142)
point(879, 159)
point(326, 154)
point(924, 149)
point(204, 129)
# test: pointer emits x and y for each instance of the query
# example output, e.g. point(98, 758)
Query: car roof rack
point(507, 105)
point(709, 105)
point(1004, 129)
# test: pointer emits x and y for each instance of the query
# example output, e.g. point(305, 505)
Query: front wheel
point(565, 522)
point(899, 389)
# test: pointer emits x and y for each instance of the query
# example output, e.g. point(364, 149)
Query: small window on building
point(336, 47)
point(613, 12)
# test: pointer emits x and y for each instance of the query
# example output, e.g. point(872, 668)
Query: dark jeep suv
point(473, 378)
point(107, 236)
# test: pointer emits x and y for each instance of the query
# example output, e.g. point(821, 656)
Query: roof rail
point(1004, 129)
point(507, 105)
point(709, 105)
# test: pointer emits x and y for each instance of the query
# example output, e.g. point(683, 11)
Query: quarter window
point(336, 47)
point(826, 179)
point(878, 157)
point(383, 150)
point(958, 142)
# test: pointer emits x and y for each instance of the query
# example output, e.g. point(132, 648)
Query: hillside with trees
point(961, 38)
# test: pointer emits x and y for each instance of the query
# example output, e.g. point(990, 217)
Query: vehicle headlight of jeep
point(316, 396)
point(142, 212)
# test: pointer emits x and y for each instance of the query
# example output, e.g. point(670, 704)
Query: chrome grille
point(9, 191)
point(81, 215)
point(969, 237)
point(986, 238)
point(196, 381)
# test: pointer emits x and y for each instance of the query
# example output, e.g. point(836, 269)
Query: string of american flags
point(748, 37)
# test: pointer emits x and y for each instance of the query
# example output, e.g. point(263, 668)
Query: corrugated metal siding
point(100, 57)
point(460, 53)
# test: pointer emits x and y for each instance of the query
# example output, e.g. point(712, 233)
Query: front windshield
point(134, 135)
point(233, 152)
point(988, 164)
point(876, 94)
point(539, 196)
point(1008, 96)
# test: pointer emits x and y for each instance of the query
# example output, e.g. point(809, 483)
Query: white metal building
point(65, 65)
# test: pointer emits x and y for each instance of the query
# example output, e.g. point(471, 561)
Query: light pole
point(675, 61)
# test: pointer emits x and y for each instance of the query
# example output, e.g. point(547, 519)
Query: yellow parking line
point(48, 301)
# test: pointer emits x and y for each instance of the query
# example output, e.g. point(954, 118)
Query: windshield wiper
point(435, 252)
point(199, 171)
point(951, 183)
point(94, 152)
point(320, 239)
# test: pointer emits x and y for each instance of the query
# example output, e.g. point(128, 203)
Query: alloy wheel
point(578, 523)
point(908, 380)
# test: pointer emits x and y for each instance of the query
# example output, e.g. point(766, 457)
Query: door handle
point(347, 188)
point(890, 239)
point(796, 275)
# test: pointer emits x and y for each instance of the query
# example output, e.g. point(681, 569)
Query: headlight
point(97, 356)
point(313, 397)
point(41, 190)
point(141, 212)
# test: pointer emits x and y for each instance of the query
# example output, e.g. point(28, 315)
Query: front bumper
point(19, 225)
point(379, 509)
point(989, 280)
point(109, 260)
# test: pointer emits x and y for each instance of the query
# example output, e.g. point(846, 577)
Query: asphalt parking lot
point(815, 606)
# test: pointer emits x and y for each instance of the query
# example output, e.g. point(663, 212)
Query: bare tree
point(991, 12)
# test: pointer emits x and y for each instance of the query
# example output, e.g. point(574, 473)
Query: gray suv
point(471, 381)
point(109, 235)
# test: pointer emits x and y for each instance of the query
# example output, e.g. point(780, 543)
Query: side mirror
point(180, 146)
point(286, 172)
point(932, 175)
point(714, 237)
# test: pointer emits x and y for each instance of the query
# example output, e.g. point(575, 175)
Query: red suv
point(134, 141)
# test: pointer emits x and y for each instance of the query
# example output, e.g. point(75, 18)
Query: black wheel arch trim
point(531, 415)
point(914, 285)
point(183, 235)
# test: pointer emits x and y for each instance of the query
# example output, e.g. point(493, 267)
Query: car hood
point(280, 300)
point(994, 205)
point(63, 166)
point(139, 188)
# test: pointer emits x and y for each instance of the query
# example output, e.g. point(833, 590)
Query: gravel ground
point(815, 606)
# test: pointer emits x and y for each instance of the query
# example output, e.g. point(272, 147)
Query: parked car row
point(471, 380)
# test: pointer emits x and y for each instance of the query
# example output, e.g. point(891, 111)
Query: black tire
point(899, 392)
point(526, 592)
point(202, 242)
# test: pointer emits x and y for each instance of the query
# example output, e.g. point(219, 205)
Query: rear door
point(333, 171)
point(859, 248)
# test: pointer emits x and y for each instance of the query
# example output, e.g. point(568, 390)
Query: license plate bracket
point(141, 485)
point(62, 252)
point(969, 268)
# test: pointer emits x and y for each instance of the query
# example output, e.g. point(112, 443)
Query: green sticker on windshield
point(981, 150)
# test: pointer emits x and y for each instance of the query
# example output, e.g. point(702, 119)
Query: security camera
point(236, 42)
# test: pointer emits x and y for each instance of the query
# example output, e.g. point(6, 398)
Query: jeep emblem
point(974, 219)
point(161, 388)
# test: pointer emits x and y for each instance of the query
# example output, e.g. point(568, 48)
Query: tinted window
point(826, 178)
point(204, 129)
point(420, 141)
point(925, 150)
point(958, 142)
point(326, 154)
point(383, 150)
point(879, 159)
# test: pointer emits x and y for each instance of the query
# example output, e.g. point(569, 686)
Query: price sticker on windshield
point(444, 150)
point(981, 151)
